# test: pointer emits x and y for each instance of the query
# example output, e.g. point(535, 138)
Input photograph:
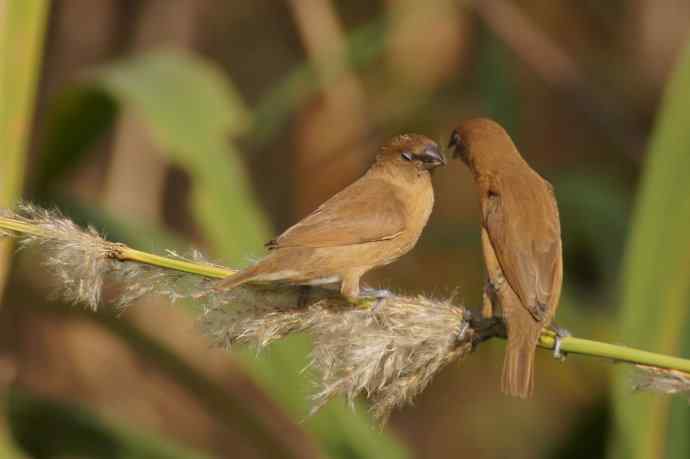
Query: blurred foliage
point(78, 118)
point(8, 450)
point(22, 25)
point(68, 430)
point(594, 207)
point(495, 81)
point(588, 438)
point(228, 407)
point(656, 289)
point(276, 108)
point(21, 36)
point(196, 118)
point(191, 112)
point(342, 432)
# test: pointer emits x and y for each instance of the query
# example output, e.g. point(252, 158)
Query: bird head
point(412, 150)
point(481, 143)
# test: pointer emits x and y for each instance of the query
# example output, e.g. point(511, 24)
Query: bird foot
point(378, 296)
point(558, 334)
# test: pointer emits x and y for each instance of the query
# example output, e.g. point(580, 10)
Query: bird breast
point(419, 202)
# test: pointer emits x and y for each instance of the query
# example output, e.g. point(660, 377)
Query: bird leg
point(349, 289)
point(495, 281)
point(558, 334)
point(303, 294)
point(488, 300)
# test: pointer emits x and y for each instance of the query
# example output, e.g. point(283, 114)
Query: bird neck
point(398, 173)
point(493, 162)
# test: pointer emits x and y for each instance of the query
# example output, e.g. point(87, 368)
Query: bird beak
point(432, 157)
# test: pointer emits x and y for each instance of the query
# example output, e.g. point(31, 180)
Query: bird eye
point(408, 156)
point(455, 140)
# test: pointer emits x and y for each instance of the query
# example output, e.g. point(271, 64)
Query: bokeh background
point(215, 124)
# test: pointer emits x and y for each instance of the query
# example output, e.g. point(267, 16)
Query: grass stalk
point(615, 352)
point(22, 28)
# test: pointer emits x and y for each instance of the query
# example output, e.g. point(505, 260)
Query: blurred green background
point(215, 124)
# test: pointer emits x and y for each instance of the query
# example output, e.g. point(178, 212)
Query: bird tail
point(518, 363)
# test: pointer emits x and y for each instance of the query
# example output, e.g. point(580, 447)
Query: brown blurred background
point(325, 82)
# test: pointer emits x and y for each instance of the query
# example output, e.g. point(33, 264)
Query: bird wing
point(366, 211)
point(521, 218)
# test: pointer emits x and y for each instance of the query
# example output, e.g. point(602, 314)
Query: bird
point(370, 223)
point(521, 242)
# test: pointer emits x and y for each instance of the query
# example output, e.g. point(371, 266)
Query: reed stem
point(569, 344)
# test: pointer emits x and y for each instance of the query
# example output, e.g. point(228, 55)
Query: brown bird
point(521, 240)
point(370, 223)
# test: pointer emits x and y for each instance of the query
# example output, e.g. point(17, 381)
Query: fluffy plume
point(137, 280)
point(81, 260)
point(661, 380)
point(387, 352)
point(78, 258)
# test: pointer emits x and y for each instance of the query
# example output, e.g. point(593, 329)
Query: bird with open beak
point(371, 223)
point(521, 241)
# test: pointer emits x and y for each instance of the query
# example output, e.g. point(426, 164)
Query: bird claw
point(557, 353)
point(462, 330)
point(378, 295)
point(558, 335)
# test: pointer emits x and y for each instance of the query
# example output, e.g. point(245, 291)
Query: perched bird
point(521, 240)
point(371, 223)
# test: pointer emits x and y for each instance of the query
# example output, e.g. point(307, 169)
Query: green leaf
point(656, 290)
point(46, 428)
point(192, 113)
point(22, 26)
point(186, 100)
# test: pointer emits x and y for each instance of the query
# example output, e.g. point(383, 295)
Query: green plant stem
point(569, 344)
point(22, 29)
point(219, 272)
point(125, 253)
point(615, 352)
